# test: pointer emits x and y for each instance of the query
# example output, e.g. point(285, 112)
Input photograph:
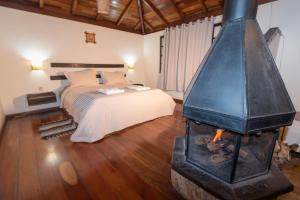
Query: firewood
point(202, 140)
point(282, 153)
point(230, 147)
point(277, 147)
point(294, 147)
point(243, 152)
point(218, 158)
point(213, 146)
point(285, 151)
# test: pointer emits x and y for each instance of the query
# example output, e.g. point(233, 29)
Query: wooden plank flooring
point(130, 164)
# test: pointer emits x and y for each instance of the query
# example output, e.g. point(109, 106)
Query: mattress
point(98, 114)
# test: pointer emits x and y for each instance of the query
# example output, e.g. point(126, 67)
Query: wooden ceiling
point(137, 16)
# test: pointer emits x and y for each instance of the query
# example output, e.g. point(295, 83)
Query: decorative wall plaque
point(90, 37)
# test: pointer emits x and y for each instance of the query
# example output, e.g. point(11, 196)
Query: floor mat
point(57, 128)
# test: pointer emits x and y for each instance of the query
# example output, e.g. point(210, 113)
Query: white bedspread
point(98, 115)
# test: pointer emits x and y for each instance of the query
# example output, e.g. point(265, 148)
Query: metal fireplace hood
point(238, 86)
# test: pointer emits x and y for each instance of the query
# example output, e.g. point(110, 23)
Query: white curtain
point(184, 48)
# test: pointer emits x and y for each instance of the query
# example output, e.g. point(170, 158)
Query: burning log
point(213, 146)
point(202, 139)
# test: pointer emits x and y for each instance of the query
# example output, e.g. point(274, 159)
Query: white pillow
point(112, 78)
point(84, 77)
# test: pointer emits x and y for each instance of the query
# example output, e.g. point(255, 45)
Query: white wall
point(27, 36)
point(2, 117)
point(282, 14)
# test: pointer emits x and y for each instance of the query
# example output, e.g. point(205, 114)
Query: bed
point(98, 115)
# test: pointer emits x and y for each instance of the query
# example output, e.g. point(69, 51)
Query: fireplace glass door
point(227, 155)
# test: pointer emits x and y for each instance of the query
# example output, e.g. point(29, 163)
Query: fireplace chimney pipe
point(237, 9)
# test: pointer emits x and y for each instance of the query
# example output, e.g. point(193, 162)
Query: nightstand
point(139, 84)
point(41, 98)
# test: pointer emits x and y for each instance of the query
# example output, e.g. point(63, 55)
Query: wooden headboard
point(81, 65)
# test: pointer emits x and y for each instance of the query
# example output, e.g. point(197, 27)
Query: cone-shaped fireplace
point(234, 106)
point(238, 86)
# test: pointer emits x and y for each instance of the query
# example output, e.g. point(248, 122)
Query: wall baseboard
point(24, 114)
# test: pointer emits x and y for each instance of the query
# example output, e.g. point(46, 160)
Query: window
point(217, 28)
point(161, 50)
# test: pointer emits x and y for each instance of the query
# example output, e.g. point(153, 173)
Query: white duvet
point(98, 115)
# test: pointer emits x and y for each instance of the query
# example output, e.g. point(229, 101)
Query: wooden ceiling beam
point(215, 11)
point(221, 3)
point(137, 25)
point(51, 11)
point(74, 7)
point(147, 23)
point(178, 11)
point(71, 12)
point(123, 14)
point(193, 17)
point(98, 16)
point(156, 11)
point(141, 14)
point(202, 2)
point(41, 3)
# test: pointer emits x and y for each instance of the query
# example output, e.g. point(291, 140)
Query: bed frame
point(81, 65)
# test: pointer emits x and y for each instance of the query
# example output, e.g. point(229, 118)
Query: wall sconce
point(131, 68)
point(37, 65)
point(130, 61)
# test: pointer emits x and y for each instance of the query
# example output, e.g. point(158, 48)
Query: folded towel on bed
point(138, 87)
point(110, 91)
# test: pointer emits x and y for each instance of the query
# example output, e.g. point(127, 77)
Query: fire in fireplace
point(232, 123)
point(229, 156)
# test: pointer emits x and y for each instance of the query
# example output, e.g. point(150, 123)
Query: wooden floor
point(131, 164)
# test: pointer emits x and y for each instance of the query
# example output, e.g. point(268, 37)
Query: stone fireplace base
point(195, 184)
point(188, 189)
